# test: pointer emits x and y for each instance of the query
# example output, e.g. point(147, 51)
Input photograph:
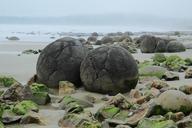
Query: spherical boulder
point(175, 46)
point(60, 61)
point(148, 44)
point(109, 70)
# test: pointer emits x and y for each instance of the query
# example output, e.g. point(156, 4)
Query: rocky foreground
point(129, 93)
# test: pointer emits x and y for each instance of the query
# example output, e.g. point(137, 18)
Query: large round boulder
point(109, 70)
point(175, 46)
point(60, 61)
point(148, 44)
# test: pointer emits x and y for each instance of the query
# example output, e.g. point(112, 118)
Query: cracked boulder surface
point(109, 70)
point(59, 61)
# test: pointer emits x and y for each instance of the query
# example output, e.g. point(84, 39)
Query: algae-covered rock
point(7, 81)
point(1, 110)
point(107, 112)
point(156, 123)
point(1, 125)
point(9, 116)
point(188, 61)
point(145, 64)
point(174, 100)
point(41, 98)
point(25, 106)
point(175, 63)
point(40, 94)
point(152, 71)
point(35, 87)
point(118, 110)
point(159, 58)
point(73, 105)
point(83, 120)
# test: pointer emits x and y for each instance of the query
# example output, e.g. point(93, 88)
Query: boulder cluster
point(107, 69)
point(152, 44)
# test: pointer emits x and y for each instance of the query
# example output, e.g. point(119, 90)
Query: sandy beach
point(23, 66)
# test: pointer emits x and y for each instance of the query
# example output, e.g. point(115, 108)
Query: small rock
point(186, 122)
point(174, 116)
point(90, 98)
point(66, 87)
point(159, 84)
point(186, 89)
point(32, 117)
point(135, 93)
point(188, 73)
point(17, 92)
point(9, 117)
point(174, 100)
point(156, 123)
point(170, 76)
point(122, 126)
point(12, 38)
point(73, 105)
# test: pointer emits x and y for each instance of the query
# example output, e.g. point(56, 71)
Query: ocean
point(48, 33)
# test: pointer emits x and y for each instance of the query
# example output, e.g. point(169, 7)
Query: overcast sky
point(38, 8)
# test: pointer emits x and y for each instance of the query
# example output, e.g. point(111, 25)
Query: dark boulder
point(109, 69)
point(59, 61)
point(175, 46)
point(148, 44)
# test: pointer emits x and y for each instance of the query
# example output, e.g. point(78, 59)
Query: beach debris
point(66, 87)
point(60, 61)
point(109, 70)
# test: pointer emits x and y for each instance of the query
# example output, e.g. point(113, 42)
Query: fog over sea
point(42, 28)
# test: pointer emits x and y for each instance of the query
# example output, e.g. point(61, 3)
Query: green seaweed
point(23, 107)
